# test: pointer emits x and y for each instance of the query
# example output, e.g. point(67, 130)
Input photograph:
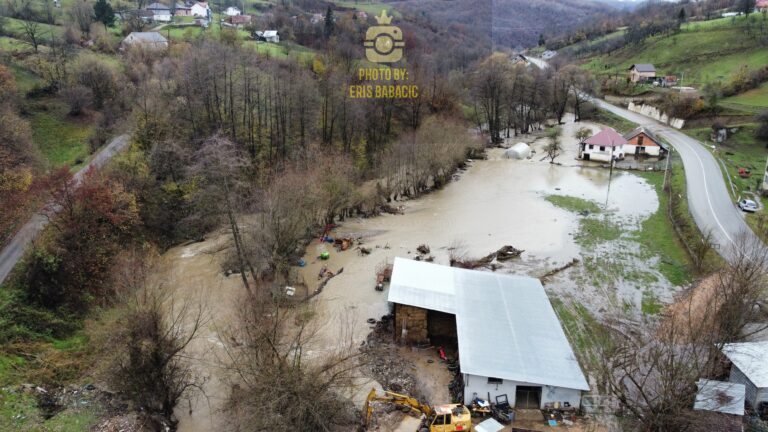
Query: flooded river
point(495, 202)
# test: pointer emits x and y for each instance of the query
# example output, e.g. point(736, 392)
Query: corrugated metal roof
point(422, 285)
point(643, 67)
point(750, 358)
point(506, 325)
point(607, 137)
point(719, 396)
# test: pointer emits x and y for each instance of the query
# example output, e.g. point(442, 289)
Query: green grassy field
point(701, 52)
point(371, 8)
point(756, 99)
point(61, 139)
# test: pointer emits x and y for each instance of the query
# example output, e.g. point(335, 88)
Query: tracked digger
point(440, 418)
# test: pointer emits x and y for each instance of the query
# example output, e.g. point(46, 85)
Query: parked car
point(748, 205)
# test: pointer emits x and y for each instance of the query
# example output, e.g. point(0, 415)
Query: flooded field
point(493, 203)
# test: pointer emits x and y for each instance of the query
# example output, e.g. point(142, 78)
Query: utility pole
point(610, 175)
point(666, 170)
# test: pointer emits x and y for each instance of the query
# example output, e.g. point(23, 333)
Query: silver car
point(748, 205)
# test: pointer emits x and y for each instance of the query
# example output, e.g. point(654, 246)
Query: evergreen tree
point(329, 22)
point(542, 41)
point(104, 13)
point(681, 15)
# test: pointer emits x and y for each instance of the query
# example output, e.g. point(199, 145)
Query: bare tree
point(279, 385)
point(82, 15)
point(554, 148)
point(150, 364)
point(221, 165)
point(33, 32)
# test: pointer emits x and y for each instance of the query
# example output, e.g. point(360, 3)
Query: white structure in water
point(518, 151)
point(509, 337)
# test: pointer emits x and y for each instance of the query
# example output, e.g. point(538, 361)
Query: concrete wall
point(602, 156)
point(655, 113)
point(415, 322)
point(479, 384)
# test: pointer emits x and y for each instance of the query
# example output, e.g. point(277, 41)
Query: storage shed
point(509, 337)
point(518, 151)
point(750, 367)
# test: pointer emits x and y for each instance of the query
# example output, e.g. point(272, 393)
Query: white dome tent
point(518, 151)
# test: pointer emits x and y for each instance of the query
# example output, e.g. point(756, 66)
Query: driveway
point(708, 199)
point(15, 249)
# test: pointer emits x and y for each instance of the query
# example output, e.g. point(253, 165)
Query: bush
point(78, 98)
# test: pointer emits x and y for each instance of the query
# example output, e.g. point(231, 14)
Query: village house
point(161, 12)
point(232, 11)
point(749, 367)
point(548, 54)
point(761, 5)
point(317, 18)
point(642, 143)
point(509, 339)
point(267, 36)
point(182, 10)
point(240, 20)
point(201, 9)
point(605, 146)
point(642, 72)
point(146, 40)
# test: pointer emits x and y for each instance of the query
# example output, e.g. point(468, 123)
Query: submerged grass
point(574, 204)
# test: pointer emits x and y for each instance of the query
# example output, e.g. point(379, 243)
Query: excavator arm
point(394, 398)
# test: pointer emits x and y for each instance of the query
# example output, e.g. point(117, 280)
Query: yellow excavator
point(440, 418)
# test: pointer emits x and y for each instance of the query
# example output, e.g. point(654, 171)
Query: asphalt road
point(711, 206)
point(14, 250)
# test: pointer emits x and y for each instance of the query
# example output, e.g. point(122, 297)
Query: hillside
point(702, 52)
point(510, 22)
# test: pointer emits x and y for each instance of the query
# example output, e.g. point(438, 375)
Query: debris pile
point(393, 372)
point(505, 253)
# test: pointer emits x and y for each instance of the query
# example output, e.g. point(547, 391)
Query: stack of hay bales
point(414, 319)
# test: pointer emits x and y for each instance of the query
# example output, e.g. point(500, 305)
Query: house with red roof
point(761, 5)
point(604, 146)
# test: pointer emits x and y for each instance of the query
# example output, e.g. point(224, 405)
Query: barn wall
point(737, 376)
point(479, 384)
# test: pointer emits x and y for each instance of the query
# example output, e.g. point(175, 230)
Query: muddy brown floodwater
point(495, 202)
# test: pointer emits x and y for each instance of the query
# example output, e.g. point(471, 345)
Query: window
point(492, 380)
point(640, 140)
point(591, 147)
point(602, 148)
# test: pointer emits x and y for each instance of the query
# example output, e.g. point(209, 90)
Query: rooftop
point(505, 324)
point(719, 396)
point(643, 67)
point(147, 37)
point(607, 137)
point(750, 357)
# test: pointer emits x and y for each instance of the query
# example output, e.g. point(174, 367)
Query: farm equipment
point(383, 275)
point(440, 418)
point(502, 411)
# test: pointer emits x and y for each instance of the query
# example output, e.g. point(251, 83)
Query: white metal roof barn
point(506, 326)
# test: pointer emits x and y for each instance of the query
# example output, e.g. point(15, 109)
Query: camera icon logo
point(384, 43)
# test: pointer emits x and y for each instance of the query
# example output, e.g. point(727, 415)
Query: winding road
point(711, 206)
point(14, 250)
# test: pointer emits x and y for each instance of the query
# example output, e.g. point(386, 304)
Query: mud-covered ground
point(495, 202)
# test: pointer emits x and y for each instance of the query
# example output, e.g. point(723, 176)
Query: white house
point(750, 367)
point(642, 142)
point(161, 12)
point(605, 146)
point(267, 36)
point(509, 339)
point(148, 40)
point(232, 11)
point(201, 9)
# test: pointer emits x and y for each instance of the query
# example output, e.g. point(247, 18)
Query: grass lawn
point(607, 118)
point(61, 139)
point(752, 100)
point(574, 204)
point(659, 238)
